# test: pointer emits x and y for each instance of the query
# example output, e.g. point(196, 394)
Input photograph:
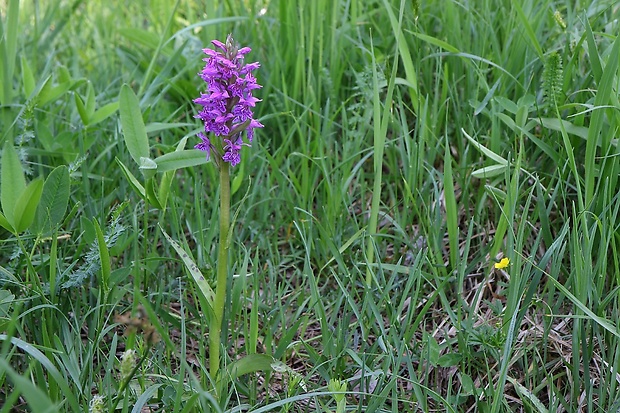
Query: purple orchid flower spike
point(227, 103)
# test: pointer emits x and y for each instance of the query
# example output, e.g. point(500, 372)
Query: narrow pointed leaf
point(133, 181)
point(451, 207)
point(191, 266)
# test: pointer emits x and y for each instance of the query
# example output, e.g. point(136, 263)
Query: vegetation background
point(408, 147)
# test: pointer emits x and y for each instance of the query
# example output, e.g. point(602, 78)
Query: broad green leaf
point(27, 77)
point(431, 349)
point(467, 384)
point(103, 113)
point(64, 76)
point(180, 159)
point(26, 205)
point(12, 181)
point(519, 127)
point(50, 93)
point(88, 230)
point(164, 187)
point(191, 266)
point(54, 201)
point(449, 360)
point(489, 171)
point(508, 121)
point(507, 104)
point(135, 184)
point(250, 364)
point(557, 124)
point(521, 116)
point(497, 193)
point(133, 125)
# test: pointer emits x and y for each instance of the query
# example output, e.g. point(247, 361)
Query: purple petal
point(219, 44)
point(205, 145)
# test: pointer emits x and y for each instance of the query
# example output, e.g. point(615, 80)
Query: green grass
point(408, 146)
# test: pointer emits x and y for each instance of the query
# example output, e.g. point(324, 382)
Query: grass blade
point(598, 118)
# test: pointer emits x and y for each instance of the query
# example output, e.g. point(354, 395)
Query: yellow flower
point(502, 264)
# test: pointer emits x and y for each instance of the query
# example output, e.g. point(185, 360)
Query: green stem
point(222, 274)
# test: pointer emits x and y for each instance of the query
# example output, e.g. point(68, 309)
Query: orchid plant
point(227, 106)
point(227, 114)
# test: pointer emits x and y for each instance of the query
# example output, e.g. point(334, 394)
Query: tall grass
point(408, 147)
